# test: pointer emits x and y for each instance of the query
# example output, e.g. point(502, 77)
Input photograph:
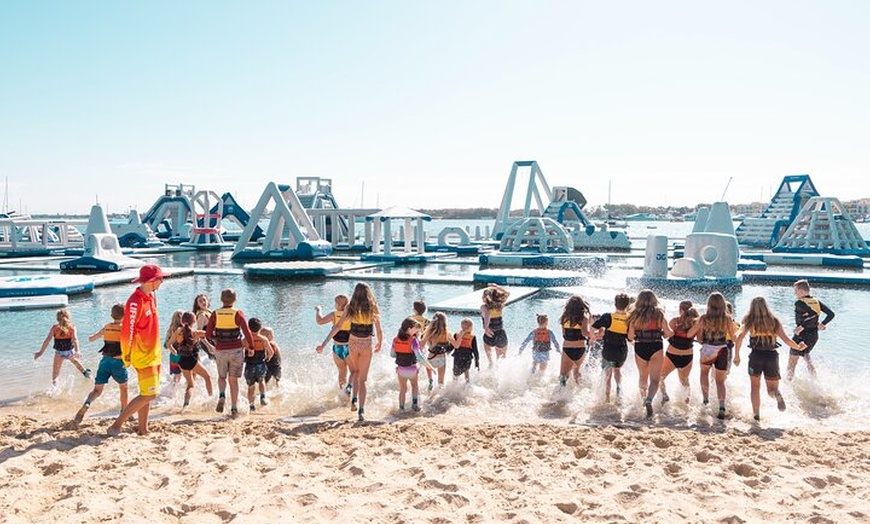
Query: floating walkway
point(593, 263)
point(403, 277)
point(842, 279)
point(682, 284)
point(297, 269)
point(781, 259)
point(471, 302)
point(34, 285)
point(530, 277)
point(38, 302)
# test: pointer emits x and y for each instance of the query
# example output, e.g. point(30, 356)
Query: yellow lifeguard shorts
point(149, 380)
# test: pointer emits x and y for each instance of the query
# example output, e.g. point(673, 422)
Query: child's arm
point(269, 350)
point(415, 347)
point(693, 332)
point(780, 332)
point(829, 316)
point(44, 343)
point(630, 333)
point(484, 315)
point(322, 319)
point(666, 329)
point(75, 340)
point(456, 339)
point(554, 341)
point(379, 332)
point(738, 341)
point(335, 329)
point(475, 353)
point(96, 335)
point(526, 341)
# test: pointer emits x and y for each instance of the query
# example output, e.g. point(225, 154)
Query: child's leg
point(792, 363)
point(441, 372)
point(251, 389)
point(93, 395)
point(617, 377)
point(565, 365)
point(608, 374)
point(683, 373)
point(705, 382)
point(667, 368)
point(488, 350)
point(720, 375)
point(77, 364)
point(122, 388)
point(642, 375)
point(501, 352)
point(201, 371)
point(415, 393)
point(55, 367)
point(755, 394)
point(543, 367)
point(341, 366)
point(262, 384)
point(809, 360)
point(188, 379)
point(403, 388)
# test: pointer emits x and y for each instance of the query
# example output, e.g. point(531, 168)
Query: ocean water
point(837, 399)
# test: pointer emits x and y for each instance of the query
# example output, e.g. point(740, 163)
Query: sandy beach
point(204, 469)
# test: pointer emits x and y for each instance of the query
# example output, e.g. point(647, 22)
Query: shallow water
point(838, 398)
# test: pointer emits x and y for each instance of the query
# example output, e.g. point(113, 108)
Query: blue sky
point(429, 103)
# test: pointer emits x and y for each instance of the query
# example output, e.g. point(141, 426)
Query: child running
point(763, 328)
point(680, 347)
point(273, 365)
point(544, 339)
point(111, 365)
point(494, 298)
point(575, 332)
point(228, 327)
point(66, 346)
point(613, 329)
point(807, 310)
point(406, 351)
point(466, 350)
point(186, 346)
point(712, 331)
point(646, 327)
point(419, 308)
point(255, 363)
point(340, 349)
point(365, 320)
point(169, 342)
point(440, 344)
point(201, 310)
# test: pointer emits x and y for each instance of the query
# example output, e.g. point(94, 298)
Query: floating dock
point(782, 259)
point(471, 302)
point(34, 285)
point(530, 277)
point(298, 269)
point(841, 279)
point(38, 302)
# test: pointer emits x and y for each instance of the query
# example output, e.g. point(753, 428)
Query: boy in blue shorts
point(111, 365)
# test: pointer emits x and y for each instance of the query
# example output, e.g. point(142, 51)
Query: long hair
point(715, 320)
point(688, 316)
point(187, 321)
point(760, 319)
point(494, 297)
point(576, 309)
point(174, 324)
point(362, 303)
point(436, 329)
point(646, 310)
point(63, 321)
point(197, 308)
point(406, 326)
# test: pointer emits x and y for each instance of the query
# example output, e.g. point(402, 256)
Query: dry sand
point(264, 469)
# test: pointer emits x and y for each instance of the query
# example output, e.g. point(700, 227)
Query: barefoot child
point(575, 332)
point(680, 347)
point(169, 342)
point(712, 330)
point(255, 362)
point(406, 351)
point(494, 298)
point(613, 329)
point(646, 327)
point(66, 345)
point(763, 328)
point(466, 350)
point(438, 340)
point(273, 365)
point(807, 310)
point(228, 327)
point(111, 365)
point(186, 346)
point(340, 348)
point(544, 339)
point(419, 309)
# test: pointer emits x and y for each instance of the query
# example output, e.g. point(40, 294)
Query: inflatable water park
point(299, 231)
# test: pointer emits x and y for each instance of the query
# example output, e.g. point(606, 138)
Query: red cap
point(149, 273)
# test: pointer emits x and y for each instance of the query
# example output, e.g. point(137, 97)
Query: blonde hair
point(436, 330)
point(466, 323)
point(341, 301)
point(761, 320)
point(64, 321)
point(646, 310)
point(688, 316)
point(362, 302)
point(715, 320)
point(174, 323)
point(494, 297)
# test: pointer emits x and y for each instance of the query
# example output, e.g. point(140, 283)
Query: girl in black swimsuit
point(680, 347)
point(646, 327)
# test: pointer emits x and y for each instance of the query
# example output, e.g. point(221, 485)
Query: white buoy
point(655, 265)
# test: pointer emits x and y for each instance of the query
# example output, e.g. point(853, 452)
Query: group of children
point(188, 335)
point(233, 341)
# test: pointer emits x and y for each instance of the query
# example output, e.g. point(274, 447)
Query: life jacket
point(618, 323)
point(225, 327)
point(572, 332)
point(495, 321)
point(111, 340)
point(259, 351)
point(712, 338)
point(361, 326)
point(542, 340)
point(465, 343)
point(650, 334)
point(442, 346)
point(63, 341)
point(813, 303)
point(761, 341)
point(404, 352)
point(810, 321)
point(187, 347)
point(343, 334)
point(680, 340)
